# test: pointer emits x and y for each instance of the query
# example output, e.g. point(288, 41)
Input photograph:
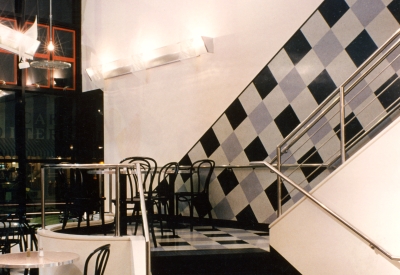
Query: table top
point(49, 258)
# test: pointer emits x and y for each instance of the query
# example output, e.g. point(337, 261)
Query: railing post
point(342, 125)
point(42, 188)
point(117, 203)
point(279, 181)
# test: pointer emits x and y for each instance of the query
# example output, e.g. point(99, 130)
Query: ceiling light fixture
point(50, 64)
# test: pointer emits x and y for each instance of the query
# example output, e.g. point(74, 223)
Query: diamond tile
point(222, 128)
point(256, 151)
point(352, 129)
point(304, 104)
point(287, 121)
point(347, 28)
point(394, 8)
point(322, 87)
point(292, 85)
point(389, 92)
point(228, 180)
point(210, 142)
point(264, 82)
point(333, 10)
point(271, 137)
point(231, 147)
point(297, 47)
point(361, 48)
point(246, 216)
point(272, 194)
point(381, 35)
point(235, 113)
point(311, 157)
point(237, 200)
point(315, 28)
point(307, 72)
point(328, 48)
point(250, 98)
point(321, 129)
point(223, 210)
point(260, 117)
point(341, 68)
point(276, 102)
point(251, 187)
point(198, 152)
point(245, 133)
point(367, 10)
point(261, 207)
point(280, 65)
point(358, 95)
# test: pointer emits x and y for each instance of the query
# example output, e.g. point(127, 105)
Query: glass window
point(8, 60)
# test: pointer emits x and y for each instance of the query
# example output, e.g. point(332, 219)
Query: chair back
point(166, 179)
point(103, 252)
point(148, 168)
point(200, 175)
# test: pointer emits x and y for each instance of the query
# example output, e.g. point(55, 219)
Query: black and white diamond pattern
point(319, 57)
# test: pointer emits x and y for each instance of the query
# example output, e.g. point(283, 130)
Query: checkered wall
point(319, 57)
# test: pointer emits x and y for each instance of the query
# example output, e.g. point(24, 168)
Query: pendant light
point(50, 64)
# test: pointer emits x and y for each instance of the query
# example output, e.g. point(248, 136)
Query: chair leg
point(102, 217)
point(191, 216)
point(152, 231)
point(211, 218)
point(135, 214)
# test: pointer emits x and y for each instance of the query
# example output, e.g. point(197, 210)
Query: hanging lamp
point(50, 64)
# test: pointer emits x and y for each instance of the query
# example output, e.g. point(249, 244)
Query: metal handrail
point(335, 93)
point(144, 218)
point(335, 98)
point(371, 243)
point(116, 168)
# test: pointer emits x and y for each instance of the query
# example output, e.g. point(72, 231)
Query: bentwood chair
point(148, 168)
point(79, 198)
point(163, 195)
point(198, 195)
point(103, 252)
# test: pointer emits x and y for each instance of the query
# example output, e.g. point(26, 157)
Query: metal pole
point(42, 181)
point(117, 203)
point(342, 125)
point(279, 181)
point(110, 193)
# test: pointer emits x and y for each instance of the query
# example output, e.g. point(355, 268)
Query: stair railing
point(337, 98)
point(370, 242)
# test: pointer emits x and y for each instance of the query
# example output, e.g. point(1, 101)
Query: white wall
point(163, 111)
point(365, 192)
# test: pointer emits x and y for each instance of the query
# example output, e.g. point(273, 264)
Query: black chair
point(198, 195)
point(103, 252)
point(79, 198)
point(14, 231)
point(163, 195)
point(148, 168)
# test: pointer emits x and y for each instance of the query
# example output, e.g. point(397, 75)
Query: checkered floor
point(205, 237)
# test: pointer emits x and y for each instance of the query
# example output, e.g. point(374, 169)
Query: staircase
point(352, 228)
point(365, 192)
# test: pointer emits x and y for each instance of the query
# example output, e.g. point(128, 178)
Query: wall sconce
point(158, 57)
point(23, 44)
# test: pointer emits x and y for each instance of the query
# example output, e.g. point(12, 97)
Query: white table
point(49, 259)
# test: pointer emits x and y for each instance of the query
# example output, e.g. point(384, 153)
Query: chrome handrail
point(116, 168)
point(144, 218)
point(335, 98)
point(371, 243)
point(335, 92)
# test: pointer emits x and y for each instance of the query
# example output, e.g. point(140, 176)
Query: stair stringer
point(365, 191)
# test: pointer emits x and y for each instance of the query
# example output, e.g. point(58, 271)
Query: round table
point(49, 258)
